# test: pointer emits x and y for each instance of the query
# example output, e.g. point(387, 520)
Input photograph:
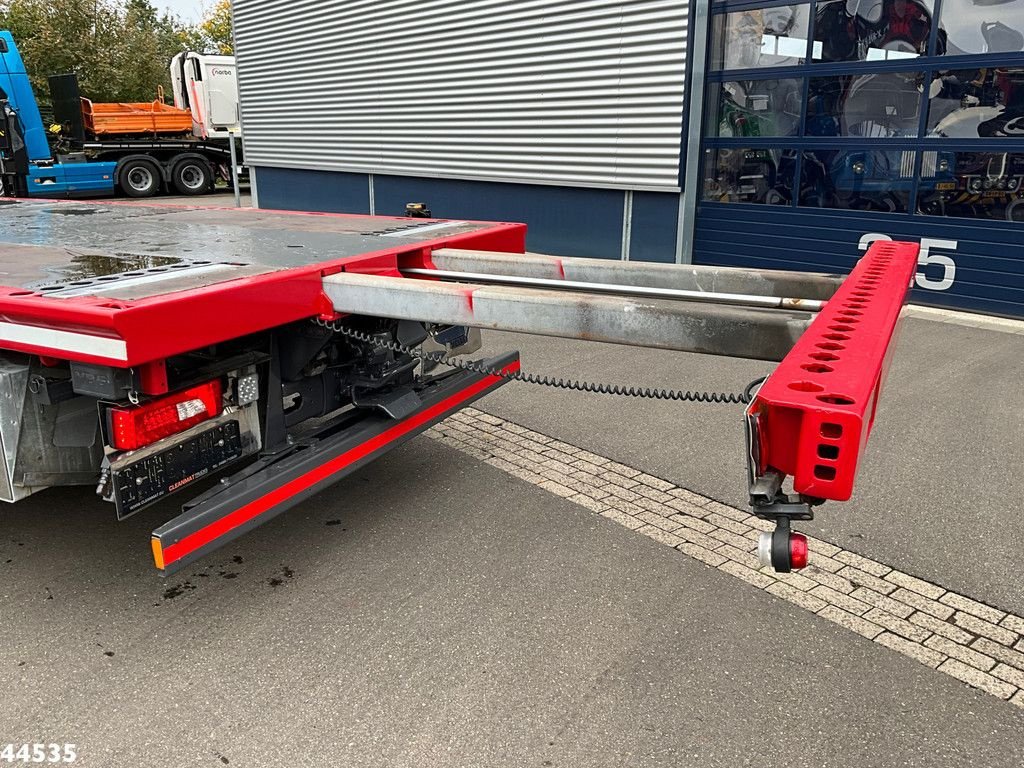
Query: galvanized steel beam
point(611, 289)
point(758, 282)
point(760, 334)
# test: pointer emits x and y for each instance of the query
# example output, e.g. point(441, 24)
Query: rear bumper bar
point(277, 483)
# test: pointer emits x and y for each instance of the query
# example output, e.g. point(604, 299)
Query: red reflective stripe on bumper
point(242, 515)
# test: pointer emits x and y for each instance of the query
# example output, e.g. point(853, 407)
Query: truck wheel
point(192, 177)
point(139, 178)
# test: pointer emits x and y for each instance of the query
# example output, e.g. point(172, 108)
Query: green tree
point(217, 29)
point(120, 49)
point(146, 46)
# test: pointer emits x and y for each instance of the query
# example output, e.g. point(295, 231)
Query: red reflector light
point(133, 428)
point(798, 551)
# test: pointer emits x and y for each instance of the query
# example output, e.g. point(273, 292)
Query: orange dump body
point(154, 118)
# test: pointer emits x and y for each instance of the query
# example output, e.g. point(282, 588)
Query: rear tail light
point(139, 426)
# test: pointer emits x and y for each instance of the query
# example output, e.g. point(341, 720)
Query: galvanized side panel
point(14, 373)
point(570, 92)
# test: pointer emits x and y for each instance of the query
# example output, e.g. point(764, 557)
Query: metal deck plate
point(125, 285)
point(130, 252)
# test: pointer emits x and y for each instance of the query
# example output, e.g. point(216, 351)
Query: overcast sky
point(190, 10)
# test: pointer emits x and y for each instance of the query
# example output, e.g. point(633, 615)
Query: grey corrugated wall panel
point(579, 93)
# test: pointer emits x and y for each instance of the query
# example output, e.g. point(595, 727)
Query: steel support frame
point(810, 420)
point(812, 417)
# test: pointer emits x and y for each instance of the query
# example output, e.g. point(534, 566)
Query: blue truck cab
point(45, 176)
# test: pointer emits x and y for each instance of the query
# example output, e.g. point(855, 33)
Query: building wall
point(594, 223)
point(966, 264)
point(580, 93)
point(825, 124)
point(829, 123)
point(567, 115)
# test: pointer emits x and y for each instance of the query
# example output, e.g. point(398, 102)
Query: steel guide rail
point(685, 326)
point(690, 277)
point(811, 418)
point(615, 289)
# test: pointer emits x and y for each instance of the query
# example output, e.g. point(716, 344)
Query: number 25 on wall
point(928, 259)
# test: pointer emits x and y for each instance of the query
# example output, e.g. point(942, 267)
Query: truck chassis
point(147, 349)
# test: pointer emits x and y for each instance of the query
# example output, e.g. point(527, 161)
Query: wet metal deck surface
point(64, 249)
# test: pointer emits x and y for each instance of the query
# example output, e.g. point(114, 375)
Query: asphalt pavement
point(433, 611)
point(940, 487)
point(220, 198)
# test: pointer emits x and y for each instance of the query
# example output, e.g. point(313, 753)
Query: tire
point(192, 176)
point(139, 178)
point(1015, 210)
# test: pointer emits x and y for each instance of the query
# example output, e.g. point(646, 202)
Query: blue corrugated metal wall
point(562, 220)
point(984, 259)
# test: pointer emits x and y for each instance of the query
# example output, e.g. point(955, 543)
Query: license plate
point(945, 186)
point(151, 478)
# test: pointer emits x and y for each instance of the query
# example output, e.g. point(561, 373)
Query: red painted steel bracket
point(811, 419)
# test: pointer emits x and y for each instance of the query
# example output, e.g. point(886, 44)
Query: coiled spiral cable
point(573, 385)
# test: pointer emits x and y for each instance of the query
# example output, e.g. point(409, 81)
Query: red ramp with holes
point(813, 416)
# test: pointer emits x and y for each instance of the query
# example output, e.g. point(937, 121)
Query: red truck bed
point(184, 278)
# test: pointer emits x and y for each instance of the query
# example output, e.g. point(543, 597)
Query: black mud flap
point(277, 483)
